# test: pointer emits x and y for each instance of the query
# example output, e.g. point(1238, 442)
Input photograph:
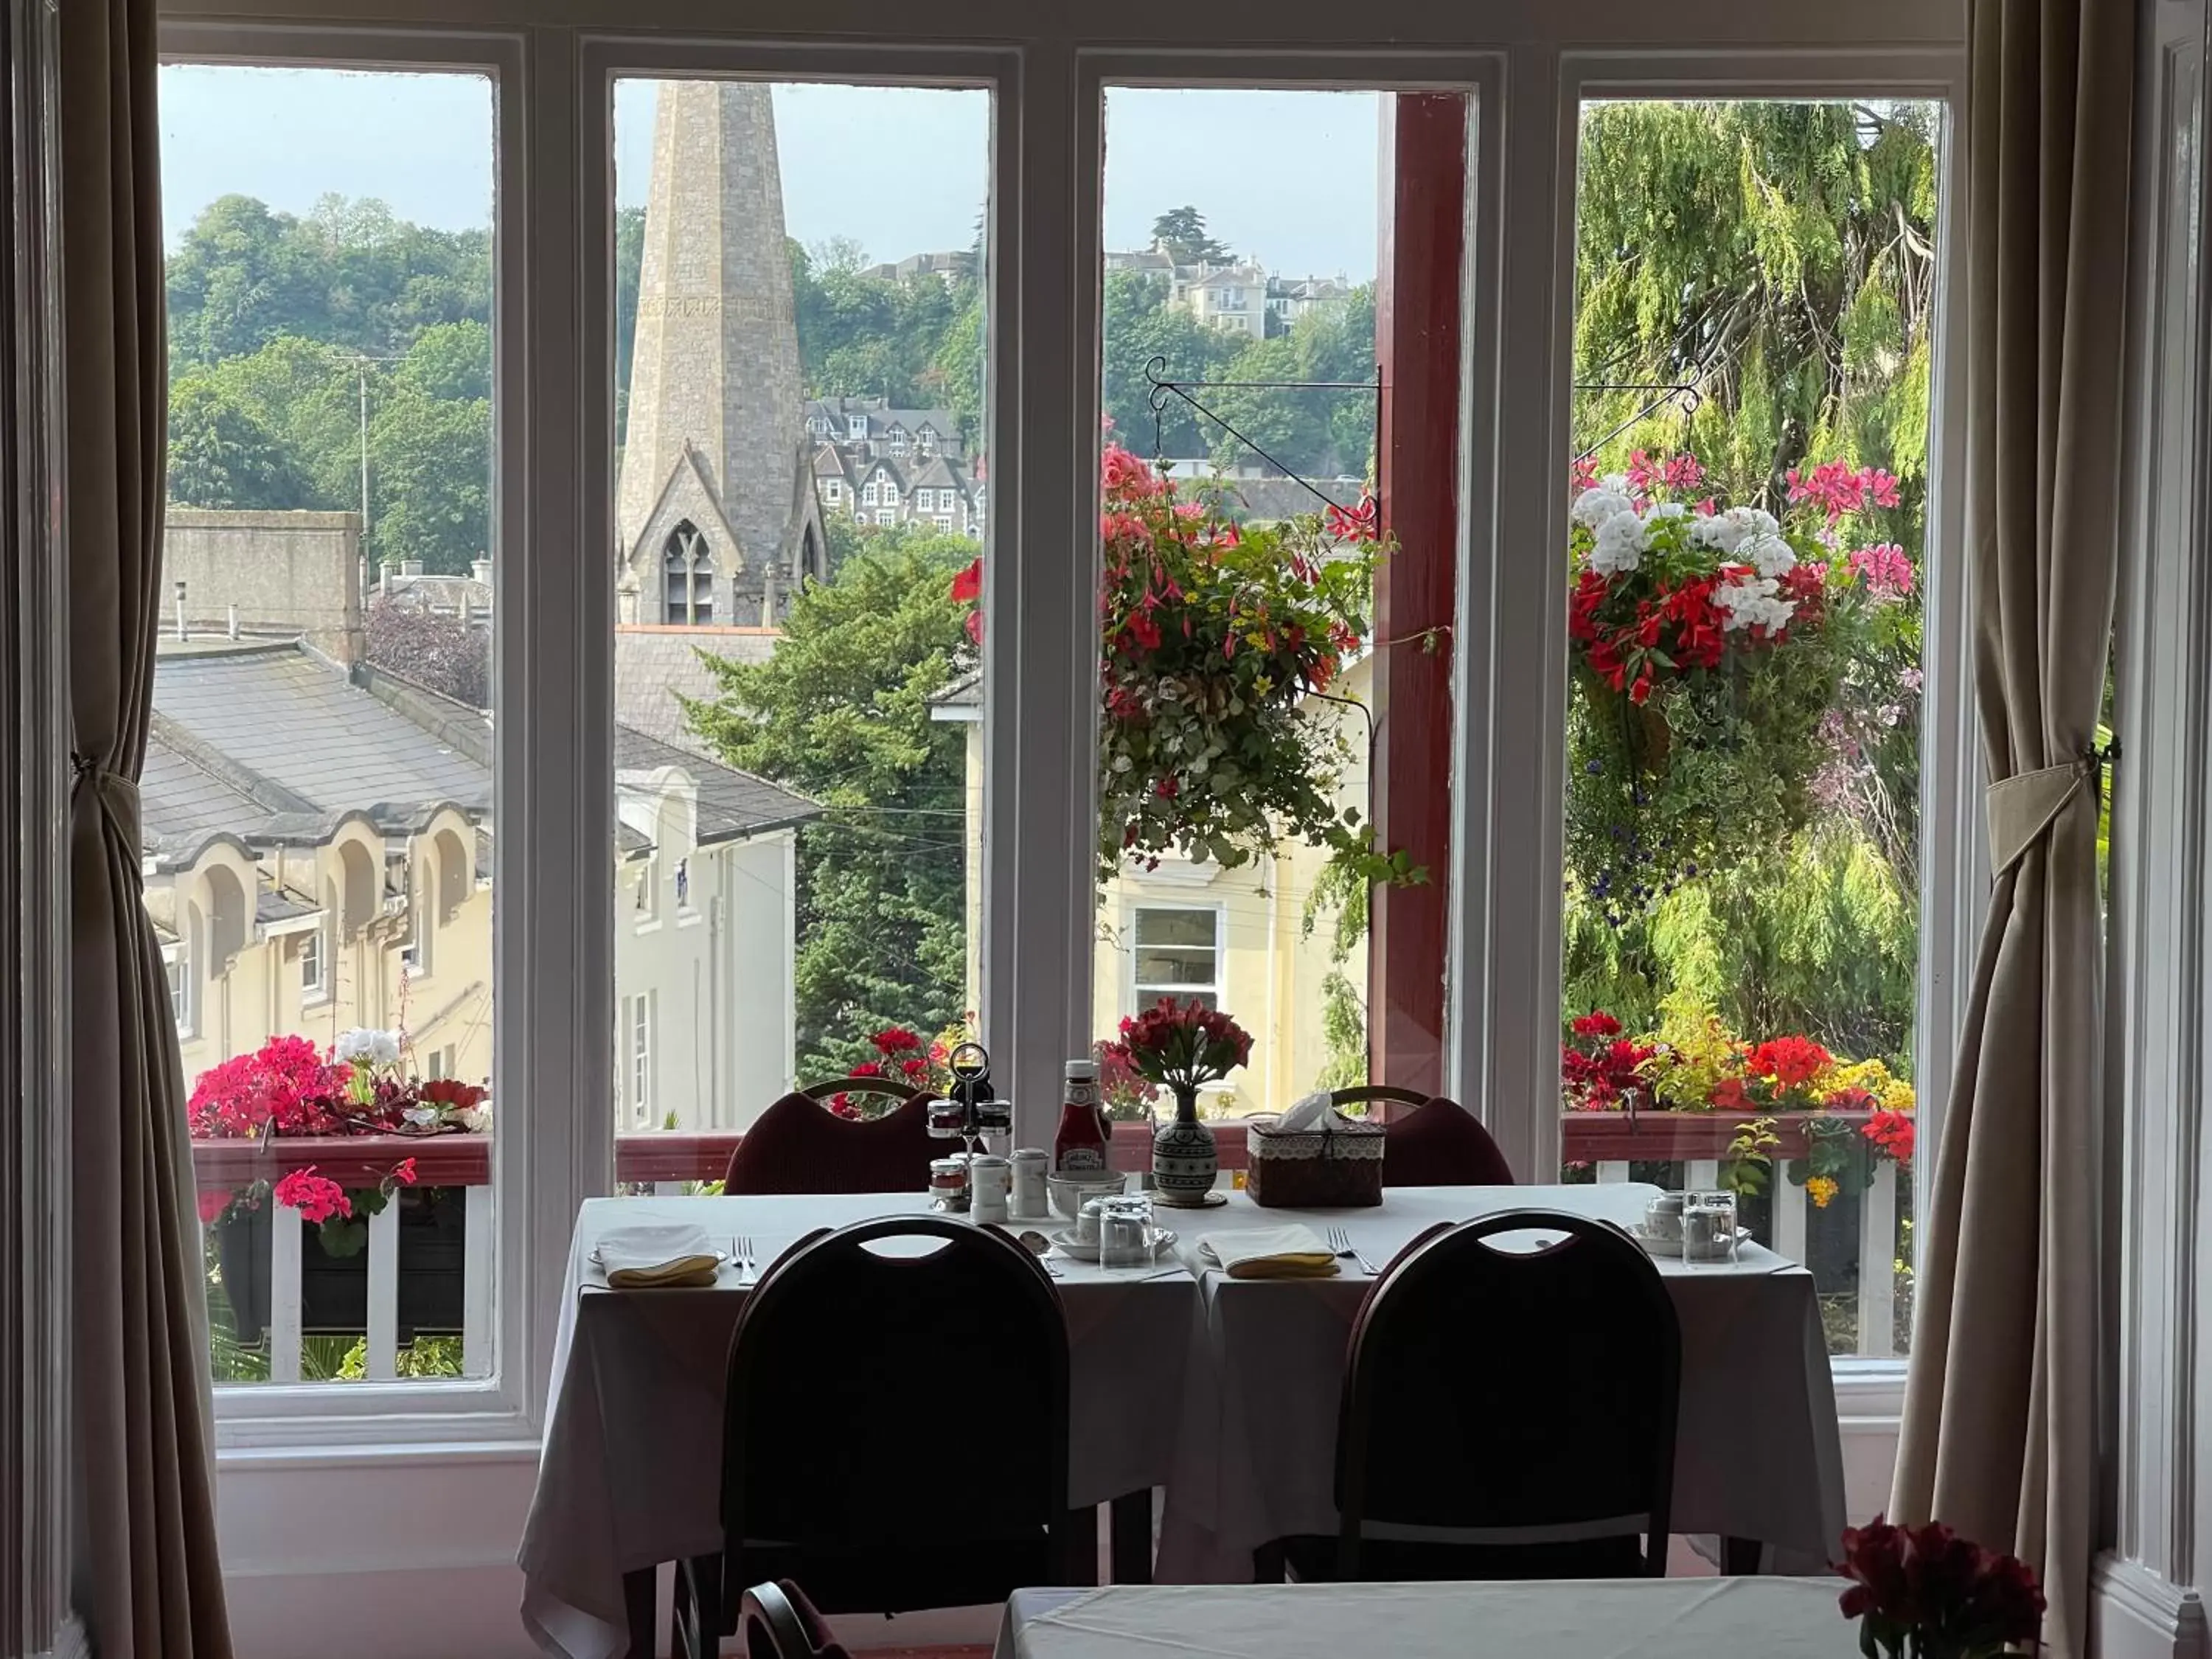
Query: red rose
point(1873, 1559)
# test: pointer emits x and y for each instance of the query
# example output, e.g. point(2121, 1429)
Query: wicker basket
point(1337, 1166)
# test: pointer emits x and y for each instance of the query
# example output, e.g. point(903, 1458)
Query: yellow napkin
point(1291, 1252)
point(657, 1258)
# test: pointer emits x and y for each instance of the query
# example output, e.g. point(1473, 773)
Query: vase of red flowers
point(1926, 1593)
point(1179, 1046)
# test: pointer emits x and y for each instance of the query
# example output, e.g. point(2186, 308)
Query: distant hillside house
point(885, 466)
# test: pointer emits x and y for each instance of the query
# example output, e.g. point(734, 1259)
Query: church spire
point(715, 443)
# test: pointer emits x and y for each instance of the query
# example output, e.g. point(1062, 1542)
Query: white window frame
point(554, 740)
point(886, 516)
point(1136, 995)
point(177, 968)
point(315, 952)
point(539, 753)
point(645, 912)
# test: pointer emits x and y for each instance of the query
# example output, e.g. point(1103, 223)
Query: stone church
point(716, 520)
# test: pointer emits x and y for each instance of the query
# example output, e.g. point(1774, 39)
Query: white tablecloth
point(1759, 1455)
point(631, 1471)
point(1632, 1618)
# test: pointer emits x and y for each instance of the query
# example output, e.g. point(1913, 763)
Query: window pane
point(1754, 330)
point(1245, 656)
point(318, 784)
point(798, 681)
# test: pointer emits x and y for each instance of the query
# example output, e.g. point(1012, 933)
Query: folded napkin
point(657, 1258)
point(1291, 1252)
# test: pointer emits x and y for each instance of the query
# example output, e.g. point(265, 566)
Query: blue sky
point(1288, 178)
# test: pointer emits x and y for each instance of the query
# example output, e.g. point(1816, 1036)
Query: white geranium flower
point(1728, 531)
point(1604, 500)
point(1768, 554)
point(1621, 541)
point(366, 1044)
point(1666, 510)
point(1120, 762)
point(1752, 602)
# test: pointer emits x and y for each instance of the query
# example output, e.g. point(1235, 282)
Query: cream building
point(318, 836)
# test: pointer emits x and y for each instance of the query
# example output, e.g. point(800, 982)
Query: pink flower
point(1885, 570)
point(403, 1172)
point(1682, 472)
point(1583, 473)
point(317, 1198)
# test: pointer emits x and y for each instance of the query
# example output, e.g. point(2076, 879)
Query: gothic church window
point(689, 568)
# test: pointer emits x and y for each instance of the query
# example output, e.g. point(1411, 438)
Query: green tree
point(429, 479)
point(1182, 231)
point(221, 454)
point(450, 361)
point(842, 712)
point(1140, 326)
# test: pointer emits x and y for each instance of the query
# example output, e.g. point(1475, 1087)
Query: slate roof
point(275, 744)
point(653, 665)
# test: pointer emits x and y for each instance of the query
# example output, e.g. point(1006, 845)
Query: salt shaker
point(988, 1178)
point(1031, 1199)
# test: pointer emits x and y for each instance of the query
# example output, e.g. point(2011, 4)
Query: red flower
point(1729, 1095)
point(211, 1206)
point(1352, 524)
point(403, 1172)
point(1955, 1595)
point(968, 585)
point(1124, 475)
point(1788, 1060)
point(1596, 1023)
point(895, 1039)
point(315, 1197)
point(1894, 1132)
point(1873, 1560)
point(451, 1093)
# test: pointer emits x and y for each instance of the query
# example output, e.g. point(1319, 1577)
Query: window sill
point(652, 927)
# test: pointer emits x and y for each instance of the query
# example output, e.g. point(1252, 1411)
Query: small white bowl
point(1069, 1191)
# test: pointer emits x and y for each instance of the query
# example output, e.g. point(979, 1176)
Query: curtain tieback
point(117, 796)
point(2022, 808)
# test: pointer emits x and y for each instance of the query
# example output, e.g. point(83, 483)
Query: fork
point(742, 1248)
point(1340, 1245)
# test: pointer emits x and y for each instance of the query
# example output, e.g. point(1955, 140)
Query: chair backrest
point(1441, 1144)
point(1498, 1395)
point(1375, 1095)
point(830, 1087)
point(778, 1622)
point(799, 1147)
point(854, 1372)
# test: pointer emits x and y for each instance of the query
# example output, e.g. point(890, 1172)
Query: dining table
point(1760, 1618)
point(1758, 1478)
point(1218, 1392)
point(630, 1472)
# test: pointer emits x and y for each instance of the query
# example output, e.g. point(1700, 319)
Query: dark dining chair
point(1507, 1412)
point(1429, 1141)
point(895, 1430)
point(778, 1622)
point(800, 1146)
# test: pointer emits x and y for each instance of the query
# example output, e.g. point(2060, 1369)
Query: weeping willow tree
point(1755, 285)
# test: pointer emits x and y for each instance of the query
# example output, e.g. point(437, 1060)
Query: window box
point(334, 1289)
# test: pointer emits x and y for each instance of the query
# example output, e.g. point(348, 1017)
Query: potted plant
point(1926, 1593)
point(1708, 645)
point(1216, 640)
point(1179, 1046)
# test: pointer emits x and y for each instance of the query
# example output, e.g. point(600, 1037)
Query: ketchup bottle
point(1079, 1148)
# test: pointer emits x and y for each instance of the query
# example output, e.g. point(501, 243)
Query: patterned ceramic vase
point(1184, 1160)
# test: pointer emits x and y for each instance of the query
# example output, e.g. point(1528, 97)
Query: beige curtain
point(146, 1578)
point(1999, 1422)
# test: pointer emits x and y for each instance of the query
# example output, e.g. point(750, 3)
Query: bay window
point(878, 761)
